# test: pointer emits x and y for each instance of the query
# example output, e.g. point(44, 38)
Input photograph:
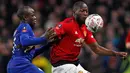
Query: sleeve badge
point(24, 29)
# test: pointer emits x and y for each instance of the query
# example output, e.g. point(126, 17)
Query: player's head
point(80, 11)
point(27, 14)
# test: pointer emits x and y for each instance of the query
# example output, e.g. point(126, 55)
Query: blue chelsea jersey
point(21, 55)
point(24, 37)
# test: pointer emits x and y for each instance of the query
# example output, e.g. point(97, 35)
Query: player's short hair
point(78, 5)
point(22, 11)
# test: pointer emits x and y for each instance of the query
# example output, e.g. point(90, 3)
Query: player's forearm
point(29, 41)
point(33, 41)
point(101, 50)
point(104, 51)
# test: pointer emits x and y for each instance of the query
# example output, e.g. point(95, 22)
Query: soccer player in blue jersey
point(24, 43)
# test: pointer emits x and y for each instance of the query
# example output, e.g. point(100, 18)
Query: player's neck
point(32, 26)
point(79, 22)
point(23, 21)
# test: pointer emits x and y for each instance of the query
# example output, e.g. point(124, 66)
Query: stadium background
point(116, 16)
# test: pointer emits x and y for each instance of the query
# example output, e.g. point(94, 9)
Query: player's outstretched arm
point(51, 36)
point(48, 36)
point(104, 51)
point(26, 40)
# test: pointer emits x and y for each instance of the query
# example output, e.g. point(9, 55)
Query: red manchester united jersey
point(71, 35)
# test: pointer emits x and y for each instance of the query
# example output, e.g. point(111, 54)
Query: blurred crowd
point(115, 13)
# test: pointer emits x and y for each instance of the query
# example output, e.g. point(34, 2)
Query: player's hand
point(122, 54)
point(50, 34)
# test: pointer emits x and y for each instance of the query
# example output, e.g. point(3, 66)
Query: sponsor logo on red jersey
point(78, 42)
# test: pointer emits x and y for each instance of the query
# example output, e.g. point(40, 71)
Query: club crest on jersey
point(24, 29)
point(59, 26)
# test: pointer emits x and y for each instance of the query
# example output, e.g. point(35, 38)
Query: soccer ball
point(94, 22)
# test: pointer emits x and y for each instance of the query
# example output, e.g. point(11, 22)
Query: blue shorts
point(21, 65)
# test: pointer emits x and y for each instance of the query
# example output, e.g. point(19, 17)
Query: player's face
point(82, 13)
point(31, 18)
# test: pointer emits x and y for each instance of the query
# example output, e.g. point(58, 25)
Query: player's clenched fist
point(121, 54)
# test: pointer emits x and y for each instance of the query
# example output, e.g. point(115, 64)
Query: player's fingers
point(52, 31)
point(125, 54)
point(52, 40)
point(52, 36)
point(49, 30)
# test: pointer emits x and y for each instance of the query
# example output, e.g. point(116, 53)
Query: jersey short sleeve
point(64, 27)
point(89, 39)
point(59, 29)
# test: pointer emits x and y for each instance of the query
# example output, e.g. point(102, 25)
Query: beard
point(80, 20)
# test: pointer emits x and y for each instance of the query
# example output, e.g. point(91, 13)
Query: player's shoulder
point(68, 20)
point(23, 27)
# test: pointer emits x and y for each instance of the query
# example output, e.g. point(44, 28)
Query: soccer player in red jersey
point(72, 33)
